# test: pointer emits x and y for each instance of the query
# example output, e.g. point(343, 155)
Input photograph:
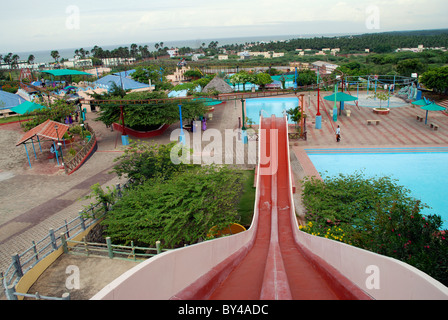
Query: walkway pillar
point(27, 155)
point(124, 136)
point(318, 115)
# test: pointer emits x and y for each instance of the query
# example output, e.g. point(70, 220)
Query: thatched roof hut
point(218, 84)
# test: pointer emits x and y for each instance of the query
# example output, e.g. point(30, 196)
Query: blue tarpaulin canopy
point(9, 100)
point(121, 82)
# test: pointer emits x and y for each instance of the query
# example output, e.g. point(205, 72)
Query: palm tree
point(55, 55)
point(7, 59)
point(14, 60)
point(31, 59)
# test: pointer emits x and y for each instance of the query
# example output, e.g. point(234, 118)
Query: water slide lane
point(274, 266)
point(245, 281)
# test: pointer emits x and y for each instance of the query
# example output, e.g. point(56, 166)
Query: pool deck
point(398, 129)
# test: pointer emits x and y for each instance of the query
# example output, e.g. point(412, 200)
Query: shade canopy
point(49, 129)
point(26, 107)
point(340, 96)
point(432, 107)
point(420, 102)
point(65, 72)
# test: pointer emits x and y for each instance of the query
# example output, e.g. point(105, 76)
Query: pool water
point(270, 106)
point(425, 174)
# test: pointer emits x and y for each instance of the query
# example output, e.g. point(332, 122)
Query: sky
point(53, 25)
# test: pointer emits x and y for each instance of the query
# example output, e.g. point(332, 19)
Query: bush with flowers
point(379, 215)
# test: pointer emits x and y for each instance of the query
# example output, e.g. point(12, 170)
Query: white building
point(78, 63)
point(278, 54)
point(173, 52)
point(324, 67)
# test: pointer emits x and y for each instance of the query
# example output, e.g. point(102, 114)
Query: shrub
point(177, 211)
point(377, 214)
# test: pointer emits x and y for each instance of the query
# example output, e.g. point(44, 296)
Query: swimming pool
point(423, 171)
point(270, 106)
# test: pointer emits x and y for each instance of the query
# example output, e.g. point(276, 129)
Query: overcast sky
point(48, 25)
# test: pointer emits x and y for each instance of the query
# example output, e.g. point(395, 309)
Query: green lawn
point(12, 119)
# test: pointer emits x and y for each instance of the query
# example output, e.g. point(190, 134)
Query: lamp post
point(182, 137)
point(59, 144)
point(244, 118)
point(318, 115)
point(243, 128)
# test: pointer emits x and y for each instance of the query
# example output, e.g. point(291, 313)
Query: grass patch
point(247, 201)
point(13, 118)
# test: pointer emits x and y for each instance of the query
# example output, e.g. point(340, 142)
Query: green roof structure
point(65, 72)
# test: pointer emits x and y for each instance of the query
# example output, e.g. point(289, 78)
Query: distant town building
point(278, 54)
point(173, 52)
point(324, 67)
point(299, 65)
point(178, 75)
point(196, 56)
point(111, 62)
point(78, 63)
point(223, 57)
point(244, 55)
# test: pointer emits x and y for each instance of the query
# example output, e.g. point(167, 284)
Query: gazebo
point(47, 131)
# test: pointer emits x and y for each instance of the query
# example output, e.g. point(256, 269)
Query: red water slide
point(274, 266)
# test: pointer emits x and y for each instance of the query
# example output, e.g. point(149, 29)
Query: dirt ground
point(94, 273)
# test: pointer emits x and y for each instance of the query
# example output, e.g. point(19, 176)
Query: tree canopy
point(146, 114)
point(436, 79)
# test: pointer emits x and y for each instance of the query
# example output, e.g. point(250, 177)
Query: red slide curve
point(274, 266)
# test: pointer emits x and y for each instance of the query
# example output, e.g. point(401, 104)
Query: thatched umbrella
point(218, 84)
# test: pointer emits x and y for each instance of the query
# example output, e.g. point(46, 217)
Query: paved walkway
point(33, 201)
point(43, 197)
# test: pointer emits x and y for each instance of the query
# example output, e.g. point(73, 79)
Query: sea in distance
point(43, 56)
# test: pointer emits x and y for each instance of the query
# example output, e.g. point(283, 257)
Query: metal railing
point(57, 238)
point(72, 165)
point(110, 250)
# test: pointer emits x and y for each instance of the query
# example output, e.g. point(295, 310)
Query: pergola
point(47, 131)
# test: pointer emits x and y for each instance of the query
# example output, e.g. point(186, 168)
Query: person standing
point(338, 134)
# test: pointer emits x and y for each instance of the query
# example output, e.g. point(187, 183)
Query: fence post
point(118, 186)
point(159, 250)
point(64, 242)
point(83, 225)
point(36, 255)
point(109, 248)
point(105, 207)
point(133, 250)
point(86, 246)
point(66, 296)
point(53, 240)
point(17, 265)
point(10, 290)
